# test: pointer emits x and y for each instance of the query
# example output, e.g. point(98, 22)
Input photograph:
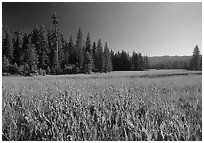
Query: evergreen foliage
point(49, 51)
point(48, 70)
point(100, 58)
point(40, 71)
point(7, 46)
point(36, 51)
point(17, 47)
point(43, 50)
point(195, 63)
point(5, 64)
point(94, 56)
point(72, 52)
point(14, 69)
point(79, 49)
point(108, 62)
point(87, 63)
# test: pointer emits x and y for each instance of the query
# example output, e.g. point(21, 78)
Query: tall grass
point(102, 108)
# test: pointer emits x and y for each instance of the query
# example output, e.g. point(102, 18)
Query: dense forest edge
point(41, 51)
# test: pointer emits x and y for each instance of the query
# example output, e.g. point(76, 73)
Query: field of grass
point(149, 105)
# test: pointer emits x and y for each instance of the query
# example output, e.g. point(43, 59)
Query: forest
point(27, 52)
point(40, 51)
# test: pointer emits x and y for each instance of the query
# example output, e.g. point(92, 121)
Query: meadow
point(117, 106)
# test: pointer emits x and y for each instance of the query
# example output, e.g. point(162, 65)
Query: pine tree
point(200, 66)
point(112, 59)
point(35, 38)
point(17, 47)
point(61, 51)
point(7, 46)
point(88, 44)
point(51, 46)
point(48, 70)
point(140, 62)
point(5, 64)
point(53, 54)
point(66, 53)
point(135, 61)
point(87, 63)
point(108, 62)
point(124, 61)
point(25, 45)
point(72, 51)
point(39, 39)
point(146, 63)
point(100, 57)
point(40, 71)
point(79, 48)
point(88, 48)
point(31, 56)
point(94, 53)
point(195, 61)
point(44, 49)
point(58, 54)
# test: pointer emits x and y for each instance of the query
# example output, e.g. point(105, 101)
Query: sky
point(152, 28)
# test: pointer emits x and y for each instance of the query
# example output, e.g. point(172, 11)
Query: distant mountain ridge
point(165, 59)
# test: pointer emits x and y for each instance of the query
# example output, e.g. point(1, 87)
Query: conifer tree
point(107, 56)
point(54, 53)
point(124, 61)
point(72, 51)
point(7, 46)
point(146, 63)
point(39, 39)
point(40, 71)
point(100, 57)
point(17, 47)
point(87, 63)
point(195, 61)
point(89, 49)
point(51, 46)
point(44, 49)
point(25, 45)
point(135, 61)
point(61, 51)
point(31, 56)
point(200, 66)
point(57, 47)
point(79, 48)
point(66, 53)
point(5, 64)
point(88, 44)
point(94, 56)
point(48, 70)
point(140, 62)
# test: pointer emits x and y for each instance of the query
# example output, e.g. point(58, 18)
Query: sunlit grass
point(113, 106)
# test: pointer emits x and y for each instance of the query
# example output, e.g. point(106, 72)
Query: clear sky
point(150, 28)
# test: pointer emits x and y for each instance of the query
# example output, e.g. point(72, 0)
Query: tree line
point(194, 63)
point(35, 52)
point(178, 64)
point(122, 61)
